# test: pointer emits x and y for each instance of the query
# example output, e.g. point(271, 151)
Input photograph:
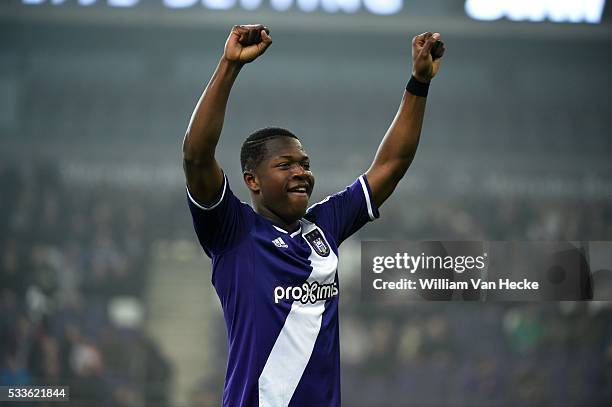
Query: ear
point(251, 181)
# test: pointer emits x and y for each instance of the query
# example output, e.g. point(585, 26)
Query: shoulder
point(353, 196)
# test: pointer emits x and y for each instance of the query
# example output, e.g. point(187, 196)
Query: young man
point(274, 264)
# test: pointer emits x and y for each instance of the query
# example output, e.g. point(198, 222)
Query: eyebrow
point(290, 157)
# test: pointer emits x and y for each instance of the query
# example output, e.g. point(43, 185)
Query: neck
point(284, 224)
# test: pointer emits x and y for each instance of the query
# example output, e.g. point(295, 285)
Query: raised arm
point(399, 145)
point(204, 176)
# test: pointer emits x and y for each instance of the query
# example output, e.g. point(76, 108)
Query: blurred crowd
point(68, 258)
point(70, 255)
point(471, 354)
point(494, 218)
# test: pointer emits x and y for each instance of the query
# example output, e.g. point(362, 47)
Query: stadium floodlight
point(250, 4)
point(122, 3)
point(281, 5)
point(383, 7)
point(219, 4)
point(331, 6)
point(380, 7)
point(179, 3)
point(558, 11)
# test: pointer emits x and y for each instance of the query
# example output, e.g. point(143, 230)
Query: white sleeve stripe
point(213, 206)
point(318, 203)
point(367, 197)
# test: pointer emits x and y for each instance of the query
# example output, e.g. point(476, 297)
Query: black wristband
point(417, 88)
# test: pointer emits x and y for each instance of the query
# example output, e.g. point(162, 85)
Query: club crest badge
point(317, 243)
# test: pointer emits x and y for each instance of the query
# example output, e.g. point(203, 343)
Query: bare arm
point(399, 144)
point(203, 173)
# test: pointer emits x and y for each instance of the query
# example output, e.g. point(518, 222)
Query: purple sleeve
point(223, 224)
point(345, 212)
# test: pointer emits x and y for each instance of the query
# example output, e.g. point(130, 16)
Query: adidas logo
point(279, 242)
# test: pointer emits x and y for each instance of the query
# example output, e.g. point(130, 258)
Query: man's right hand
point(246, 42)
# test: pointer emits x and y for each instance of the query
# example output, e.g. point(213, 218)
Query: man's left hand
point(424, 65)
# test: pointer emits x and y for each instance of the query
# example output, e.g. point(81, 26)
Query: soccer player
point(275, 262)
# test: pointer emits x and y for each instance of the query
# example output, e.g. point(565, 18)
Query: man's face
point(284, 182)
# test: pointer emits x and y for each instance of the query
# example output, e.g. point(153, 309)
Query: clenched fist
point(427, 53)
point(246, 42)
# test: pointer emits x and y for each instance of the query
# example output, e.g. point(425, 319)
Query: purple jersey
point(279, 293)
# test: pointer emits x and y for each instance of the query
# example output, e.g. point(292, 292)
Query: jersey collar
point(292, 234)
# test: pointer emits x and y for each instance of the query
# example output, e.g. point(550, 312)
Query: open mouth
point(300, 190)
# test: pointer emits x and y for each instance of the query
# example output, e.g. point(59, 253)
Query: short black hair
point(254, 150)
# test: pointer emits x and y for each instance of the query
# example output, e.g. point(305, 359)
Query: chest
point(307, 255)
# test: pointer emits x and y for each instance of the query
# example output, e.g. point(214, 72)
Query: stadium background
point(103, 287)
